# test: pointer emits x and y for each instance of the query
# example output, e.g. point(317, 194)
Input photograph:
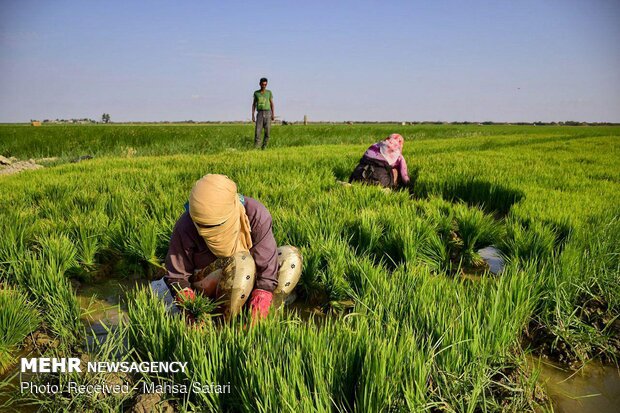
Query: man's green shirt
point(262, 99)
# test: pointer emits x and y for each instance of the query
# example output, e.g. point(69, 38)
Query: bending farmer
point(263, 105)
point(223, 246)
point(383, 164)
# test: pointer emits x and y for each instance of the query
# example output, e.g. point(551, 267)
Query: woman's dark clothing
point(373, 172)
point(188, 251)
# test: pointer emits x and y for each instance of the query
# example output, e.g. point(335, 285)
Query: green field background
point(405, 331)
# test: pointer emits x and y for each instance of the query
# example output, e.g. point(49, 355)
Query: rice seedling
point(533, 243)
point(489, 196)
point(475, 230)
point(201, 308)
point(52, 293)
point(58, 253)
point(18, 317)
point(89, 247)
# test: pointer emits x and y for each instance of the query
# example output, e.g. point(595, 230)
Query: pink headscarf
point(391, 148)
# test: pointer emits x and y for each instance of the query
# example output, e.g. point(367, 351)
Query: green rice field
point(405, 316)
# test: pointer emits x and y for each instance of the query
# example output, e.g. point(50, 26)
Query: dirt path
point(9, 166)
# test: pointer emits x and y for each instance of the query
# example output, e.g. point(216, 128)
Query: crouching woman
point(383, 164)
point(223, 247)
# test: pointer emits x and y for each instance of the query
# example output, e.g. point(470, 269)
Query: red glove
point(186, 294)
point(260, 301)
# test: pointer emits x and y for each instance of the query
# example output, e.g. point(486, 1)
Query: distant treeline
point(284, 122)
point(63, 121)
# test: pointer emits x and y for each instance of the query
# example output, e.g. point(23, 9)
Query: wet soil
point(596, 313)
point(151, 402)
point(511, 379)
point(593, 312)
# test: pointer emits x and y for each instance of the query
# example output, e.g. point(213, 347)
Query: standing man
point(263, 105)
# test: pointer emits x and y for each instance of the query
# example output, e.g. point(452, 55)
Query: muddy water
point(593, 389)
point(494, 261)
point(103, 304)
point(493, 257)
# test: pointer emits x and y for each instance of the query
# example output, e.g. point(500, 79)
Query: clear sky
point(474, 60)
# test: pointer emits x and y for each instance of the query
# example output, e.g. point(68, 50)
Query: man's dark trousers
point(263, 121)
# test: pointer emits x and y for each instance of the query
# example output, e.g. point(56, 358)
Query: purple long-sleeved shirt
point(188, 251)
point(373, 152)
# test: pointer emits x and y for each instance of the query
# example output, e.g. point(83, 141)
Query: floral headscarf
point(391, 148)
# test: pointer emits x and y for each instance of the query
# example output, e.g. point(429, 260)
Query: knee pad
point(236, 283)
point(289, 273)
point(234, 277)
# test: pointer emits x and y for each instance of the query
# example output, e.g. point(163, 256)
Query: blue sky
point(332, 60)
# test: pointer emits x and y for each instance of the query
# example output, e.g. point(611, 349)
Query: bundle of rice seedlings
point(88, 239)
point(152, 330)
point(53, 294)
point(200, 307)
point(18, 317)
point(58, 252)
point(534, 242)
point(475, 230)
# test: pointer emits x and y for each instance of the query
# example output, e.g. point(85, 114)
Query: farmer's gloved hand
point(260, 301)
point(185, 294)
point(182, 295)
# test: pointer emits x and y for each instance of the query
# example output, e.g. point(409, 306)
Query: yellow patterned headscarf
point(219, 216)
